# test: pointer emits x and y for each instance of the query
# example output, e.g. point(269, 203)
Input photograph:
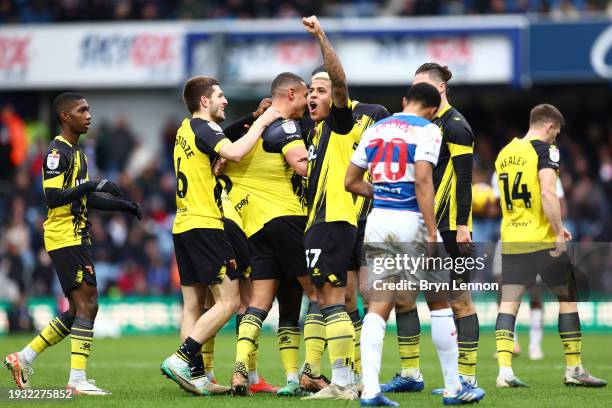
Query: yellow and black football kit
point(453, 173)
point(331, 233)
point(202, 248)
point(526, 234)
point(452, 178)
point(67, 237)
point(274, 216)
point(232, 225)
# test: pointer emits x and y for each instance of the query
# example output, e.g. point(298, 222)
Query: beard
point(216, 113)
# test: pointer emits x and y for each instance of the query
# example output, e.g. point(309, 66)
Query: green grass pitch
point(129, 367)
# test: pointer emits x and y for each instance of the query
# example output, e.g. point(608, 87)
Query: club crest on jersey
point(289, 126)
point(215, 127)
point(53, 160)
point(553, 153)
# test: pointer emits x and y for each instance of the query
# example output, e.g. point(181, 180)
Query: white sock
point(506, 372)
point(535, 329)
point(413, 373)
point(293, 377)
point(210, 374)
point(444, 335)
point(28, 354)
point(341, 374)
point(372, 336)
point(76, 376)
point(253, 377)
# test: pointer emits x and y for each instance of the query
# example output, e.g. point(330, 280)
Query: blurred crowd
point(137, 258)
point(44, 11)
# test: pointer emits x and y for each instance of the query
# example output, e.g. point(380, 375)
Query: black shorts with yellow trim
point(240, 244)
point(203, 256)
point(523, 269)
point(329, 249)
point(74, 265)
point(278, 250)
point(451, 246)
point(358, 258)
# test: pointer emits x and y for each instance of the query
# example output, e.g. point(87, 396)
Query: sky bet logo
point(142, 50)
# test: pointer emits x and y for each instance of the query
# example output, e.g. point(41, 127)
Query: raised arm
point(333, 66)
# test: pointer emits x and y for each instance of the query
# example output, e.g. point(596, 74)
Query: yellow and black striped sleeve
point(460, 142)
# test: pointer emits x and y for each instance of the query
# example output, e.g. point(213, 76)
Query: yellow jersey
point(198, 196)
point(65, 166)
point(330, 149)
point(261, 185)
point(524, 226)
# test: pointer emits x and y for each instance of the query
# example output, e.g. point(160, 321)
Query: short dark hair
point(285, 79)
point(63, 102)
point(546, 113)
point(195, 88)
point(320, 68)
point(425, 94)
point(441, 73)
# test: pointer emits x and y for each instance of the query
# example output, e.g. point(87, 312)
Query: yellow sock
point(409, 347)
point(504, 338)
point(357, 323)
point(81, 339)
point(248, 335)
point(408, 339)
point(288, 346)
point(53, 333)
point(468, 333)
point(208, 354)
point(340, 335)
point(254, 357)
point(504, 341)
point(571, 338)
point(314, 340)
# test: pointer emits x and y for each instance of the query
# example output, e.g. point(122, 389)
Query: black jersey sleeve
point(280, 135)
point(209, 136)
point(235, 130)
point(548, 155)
point(340, 120)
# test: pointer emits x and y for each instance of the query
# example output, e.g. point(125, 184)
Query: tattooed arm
point(333, 66)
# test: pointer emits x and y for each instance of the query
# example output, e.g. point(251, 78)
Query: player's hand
point(219, 166)
point(432, 250)
point(263, 105)
point(560, 246)
point(135, 210)
point(567, 235)
point(107, 186)
point(269, 116)
point(312, 25)
point(464, 240)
